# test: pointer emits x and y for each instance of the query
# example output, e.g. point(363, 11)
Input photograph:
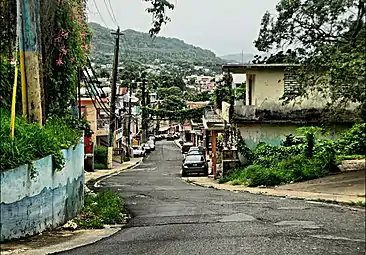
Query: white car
point(138, 151)
point(151, 144)
point(146, 147)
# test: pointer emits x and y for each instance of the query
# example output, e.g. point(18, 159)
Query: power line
point(110, 14)
point(114, 17)
point(101, 104)
point(100, 15)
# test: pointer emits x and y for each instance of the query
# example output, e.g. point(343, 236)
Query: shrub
point(32, 142)
point(100, 157)
point(256, 175)
point(268, 155)
point(353, 141)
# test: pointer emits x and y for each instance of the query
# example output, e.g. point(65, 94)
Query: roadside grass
point(103, 208)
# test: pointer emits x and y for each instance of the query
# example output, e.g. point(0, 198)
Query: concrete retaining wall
point(31, 205)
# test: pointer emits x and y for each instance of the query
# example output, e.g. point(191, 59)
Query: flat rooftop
point(242, 68)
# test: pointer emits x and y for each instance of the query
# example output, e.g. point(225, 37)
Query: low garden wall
point(31, 204)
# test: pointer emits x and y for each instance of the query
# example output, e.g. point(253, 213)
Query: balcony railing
point(212, 117)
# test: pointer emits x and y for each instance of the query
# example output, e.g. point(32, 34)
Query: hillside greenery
point(140, 47)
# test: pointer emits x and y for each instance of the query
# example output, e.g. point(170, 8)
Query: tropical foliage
point(300, 158)
point(31, 141)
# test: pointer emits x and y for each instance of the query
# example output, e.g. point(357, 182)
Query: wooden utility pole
point(112, 119)
point(144, 117)
point(129, 114)
point(30, 53)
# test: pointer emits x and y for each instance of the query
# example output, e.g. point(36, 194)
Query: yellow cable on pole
point(15, 62)
point(13, 101)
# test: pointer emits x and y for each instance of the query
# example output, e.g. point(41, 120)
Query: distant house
point(262, 117)
point(98, 118)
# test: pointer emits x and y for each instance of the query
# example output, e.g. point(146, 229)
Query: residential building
point(263, 117)
point(98, 118)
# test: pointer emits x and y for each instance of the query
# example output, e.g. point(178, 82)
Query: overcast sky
point(223, 26)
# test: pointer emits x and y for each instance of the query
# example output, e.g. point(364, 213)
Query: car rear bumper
point(195, 170)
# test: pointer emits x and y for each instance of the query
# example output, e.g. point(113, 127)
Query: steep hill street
point(174, 217)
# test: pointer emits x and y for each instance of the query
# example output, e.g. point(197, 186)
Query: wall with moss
point(31, 205)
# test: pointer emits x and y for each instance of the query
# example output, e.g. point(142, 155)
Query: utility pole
point(112, 120)
point(129, 114)
point(30, 52)
point(144, 117)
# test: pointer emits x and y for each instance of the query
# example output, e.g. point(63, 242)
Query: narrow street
point(171, 216)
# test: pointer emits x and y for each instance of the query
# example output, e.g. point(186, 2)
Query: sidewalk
point(100, 173)
point(61, 240)
point(347, 187)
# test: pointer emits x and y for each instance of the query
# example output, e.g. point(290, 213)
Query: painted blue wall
point(31, 205)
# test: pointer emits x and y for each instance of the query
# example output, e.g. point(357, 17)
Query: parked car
point(170, 137)
point(158, 137)
point(186, 146)
point(197, 151)
point(151, 137)
point(176, 136)
point(138, 151)
point(194, 164)
point(146, 147)
point(151, 145)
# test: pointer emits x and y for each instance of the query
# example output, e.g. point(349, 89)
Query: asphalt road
point(173, 217)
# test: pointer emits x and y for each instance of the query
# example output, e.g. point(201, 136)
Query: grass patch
point(104, 208)
point(358, 204)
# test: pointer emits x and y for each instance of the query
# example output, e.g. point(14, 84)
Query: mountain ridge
point(238, 57)
point(141, 47)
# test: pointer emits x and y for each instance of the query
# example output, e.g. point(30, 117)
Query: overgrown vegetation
point(300, 158)
point(100, 157)
point(104, 208)
point(31, 141)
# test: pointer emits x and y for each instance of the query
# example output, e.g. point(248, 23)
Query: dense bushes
point(100, 157)
point(31, 141)
point(298, 159)
point(353, 141)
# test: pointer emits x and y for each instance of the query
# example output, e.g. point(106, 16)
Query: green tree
point(158, 10)
point(197, 96)
point(328, 39)
point(165, 92)
point(173, 103)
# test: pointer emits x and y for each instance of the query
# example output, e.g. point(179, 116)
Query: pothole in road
point(237, 217)
point(141, 196)
point(299, 223)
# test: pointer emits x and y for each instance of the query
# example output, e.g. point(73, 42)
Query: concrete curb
point(327, 199)
point(82, 238)
point(98, 180)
